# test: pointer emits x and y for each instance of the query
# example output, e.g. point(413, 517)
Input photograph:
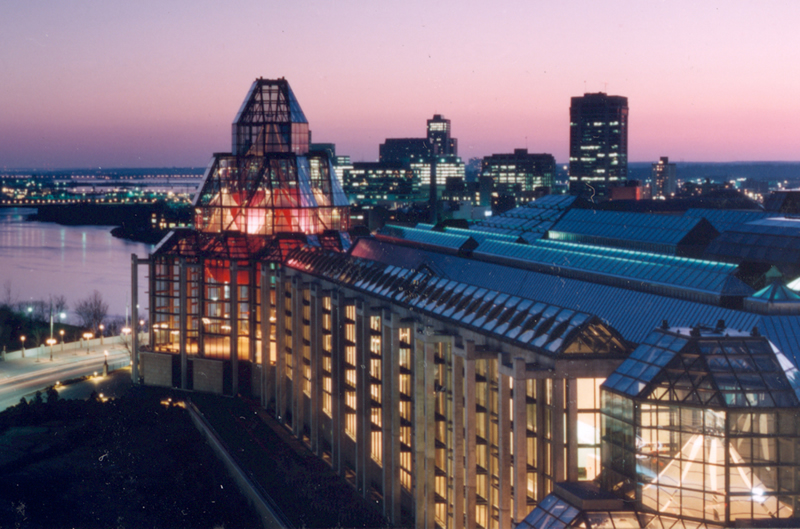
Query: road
point(24, 377)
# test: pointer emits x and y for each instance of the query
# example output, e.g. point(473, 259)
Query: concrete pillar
point(558, 430)
point(280, 347)
point(337, 389)
point(390, 365)
point(234, 324)
point(541, 426)
point(520, 418)
point(201, 309)
point(183, 301)
point(424, 431)
point(471, 459)
point(267, 370)
point(363, 402)
point(253, 276)
point(504, 448)
point(315, 295)
point(458, 441)
point(298, 363)
point(135, 319)
point(572, 427)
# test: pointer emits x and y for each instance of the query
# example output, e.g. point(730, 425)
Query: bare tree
point(58, 304)
point(8, 299)
point(92, 310)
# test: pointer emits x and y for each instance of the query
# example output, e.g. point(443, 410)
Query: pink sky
point(153, 83)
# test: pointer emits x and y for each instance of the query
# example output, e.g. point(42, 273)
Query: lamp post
point(105, 364)
point(88, 336)
point(61, 332)
point(102, 327)
point(51, 342)
point(22, 339)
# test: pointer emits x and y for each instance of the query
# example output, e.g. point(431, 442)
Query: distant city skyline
point(92, 83)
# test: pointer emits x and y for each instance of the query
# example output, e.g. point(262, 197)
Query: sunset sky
point(157, 83)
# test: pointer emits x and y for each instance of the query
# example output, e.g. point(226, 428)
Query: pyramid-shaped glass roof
point(719, 368)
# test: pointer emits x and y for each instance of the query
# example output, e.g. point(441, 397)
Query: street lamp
point(102, 327)
point(51, 342)
point(22, 339)
point(87, 336)
point(61, 332)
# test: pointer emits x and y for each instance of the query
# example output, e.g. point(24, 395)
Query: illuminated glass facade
point(208, 285)
point(598, 143)
point(700, 428)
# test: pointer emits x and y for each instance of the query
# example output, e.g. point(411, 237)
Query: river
point(42, 259)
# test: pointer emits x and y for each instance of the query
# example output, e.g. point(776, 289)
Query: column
point(558, 430)
point(337, 393)
point(280, 347)
point(390, 345)
point(520, 418)
point(267, 373)
point(572, 426)
point(298, 360)
point(135, 318)
point(424, 430)
point(458, 441)
point(201, 308)
point(315, 296)
point(471, 475)
point(363, 403)
point(504, 448)
point(234, 324)
point(252, 274)
point(541, 427)
point(183, 301)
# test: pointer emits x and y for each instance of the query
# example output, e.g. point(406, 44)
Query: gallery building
point(457, 377)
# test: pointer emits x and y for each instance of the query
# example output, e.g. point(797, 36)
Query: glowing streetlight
point(51, 342)
point(102, 328)
point(22, 339)
point(87, 336)
point(61, 332)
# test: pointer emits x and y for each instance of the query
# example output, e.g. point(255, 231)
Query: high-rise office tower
point(439, 136)
point(663, 178)
point(598, 143)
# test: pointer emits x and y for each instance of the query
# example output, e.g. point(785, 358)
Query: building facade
point(520, 172)
point(439, 136)
point(598, 143)
point(664, 179)
point(454, 376)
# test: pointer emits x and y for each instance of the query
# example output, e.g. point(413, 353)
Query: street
point(22, 377)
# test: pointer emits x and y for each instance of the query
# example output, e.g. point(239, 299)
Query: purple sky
point(155, 83)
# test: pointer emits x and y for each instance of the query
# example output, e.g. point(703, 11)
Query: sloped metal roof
point(634, 314)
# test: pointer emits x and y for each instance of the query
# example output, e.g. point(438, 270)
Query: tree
point(92, 310)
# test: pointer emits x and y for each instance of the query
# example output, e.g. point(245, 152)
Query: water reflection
point(42, 259)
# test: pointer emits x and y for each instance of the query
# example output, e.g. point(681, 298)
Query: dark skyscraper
point(598, 143)
point(439, 136)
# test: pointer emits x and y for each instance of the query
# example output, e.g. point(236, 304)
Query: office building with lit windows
point(520, 171)
point(381, 183)
point(460, 377)
point(663, 178)
point(598, 143)
point(439, 136)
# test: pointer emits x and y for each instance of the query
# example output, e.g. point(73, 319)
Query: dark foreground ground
point(134, 462)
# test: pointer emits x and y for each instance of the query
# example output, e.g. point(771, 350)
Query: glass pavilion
point(700, 429)
point(269, 195)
